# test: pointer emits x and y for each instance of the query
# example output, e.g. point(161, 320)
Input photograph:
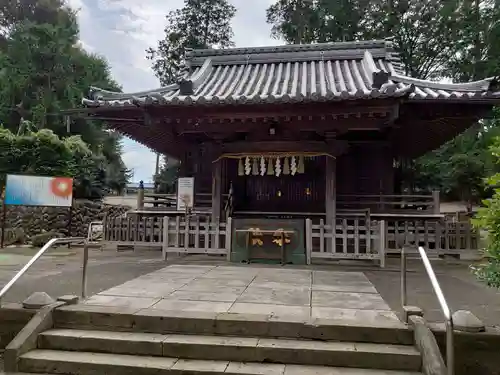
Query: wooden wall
point(365, 169)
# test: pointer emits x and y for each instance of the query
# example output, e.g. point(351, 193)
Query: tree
point(44, 70)
point(308, 21)
point(199, 24)
point(488, 218)
point(167, 178)
point(13, 12)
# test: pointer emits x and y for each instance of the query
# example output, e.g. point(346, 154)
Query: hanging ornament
point(262, 166)
point(241, 169)
point(286, 167)
point(270, 167)
point(293, 166)
point(300, 165)
point(255, 167)
point(247, 166)
point(277, 168)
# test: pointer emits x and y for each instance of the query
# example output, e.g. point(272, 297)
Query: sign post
point(40, 191)
point(185, 193)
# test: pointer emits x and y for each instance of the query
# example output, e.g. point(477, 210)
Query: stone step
point(85, 363)
point(242, 349)
point(231, 324)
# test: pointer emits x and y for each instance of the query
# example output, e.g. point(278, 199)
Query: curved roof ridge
point(369, 44)
point(96, 92)
point(481, 85)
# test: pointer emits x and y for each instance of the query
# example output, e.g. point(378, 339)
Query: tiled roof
point(295, 73)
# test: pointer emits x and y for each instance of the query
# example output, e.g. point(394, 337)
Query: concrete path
point(252, 290)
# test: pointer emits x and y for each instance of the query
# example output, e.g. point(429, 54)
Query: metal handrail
point(450, 355)
point(42, 251)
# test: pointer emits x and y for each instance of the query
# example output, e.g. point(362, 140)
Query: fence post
point(381, 246)
point(164, 244)
point(308, 241)
point(228, 237)
point(436, 204)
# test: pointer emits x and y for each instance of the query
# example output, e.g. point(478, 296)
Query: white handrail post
point(84, 268)
point(382, 243)
point(450, 349)
point(309, 240)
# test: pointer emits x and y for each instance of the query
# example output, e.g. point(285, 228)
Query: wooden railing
point(130, 231)
point(194, 235)
point(391, 203)
point(352, 238)
point(201, 200)
point(435, 236)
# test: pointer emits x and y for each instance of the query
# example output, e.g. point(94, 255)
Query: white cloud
point(122, 30)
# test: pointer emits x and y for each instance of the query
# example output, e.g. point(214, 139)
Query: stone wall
point(475, 353)
point(36, 220)
point(12, 319)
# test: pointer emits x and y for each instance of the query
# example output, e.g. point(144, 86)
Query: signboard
point(38, 191)
point(261, 239)
point(185, 193)
point(95, 231)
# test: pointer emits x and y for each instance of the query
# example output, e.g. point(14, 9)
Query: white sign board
point(95, 231)
point(185, 193)
point(38, 191)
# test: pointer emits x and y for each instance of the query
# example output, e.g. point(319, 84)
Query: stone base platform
point(265, 291)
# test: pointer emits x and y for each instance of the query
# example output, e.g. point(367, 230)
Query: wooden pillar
point(436, 203)
point(330, 196)
point(216, 190)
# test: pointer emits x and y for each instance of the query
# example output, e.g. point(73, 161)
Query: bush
point(488, 218)
point(41, 239)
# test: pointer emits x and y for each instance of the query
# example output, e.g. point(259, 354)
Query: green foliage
point(198, 24)
point(44, 70)
point(167, 178)
point(488, 218)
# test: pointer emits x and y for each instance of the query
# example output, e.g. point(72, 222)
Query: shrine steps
point(100, 342)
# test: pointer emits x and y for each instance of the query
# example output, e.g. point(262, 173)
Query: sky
point(122, 30)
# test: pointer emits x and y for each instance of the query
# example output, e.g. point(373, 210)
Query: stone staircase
point(108, 341)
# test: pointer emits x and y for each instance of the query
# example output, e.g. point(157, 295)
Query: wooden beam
point(316, 123)
point(276, 146)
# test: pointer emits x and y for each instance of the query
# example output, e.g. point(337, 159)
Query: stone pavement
point(253, 290)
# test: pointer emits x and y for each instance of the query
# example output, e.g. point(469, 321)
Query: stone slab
point(205, 306)
point(369, 317)
point(270, 309)
point(131, 302)
point(260, 290)
point(349, 300)
point(291, 297)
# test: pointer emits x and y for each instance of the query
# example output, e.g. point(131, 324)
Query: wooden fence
point(133, 231)
point(435, 236)
point(172, 235)
point(407, 203)
point(352, 238)
point(196, 236)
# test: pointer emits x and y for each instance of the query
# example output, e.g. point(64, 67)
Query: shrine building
point(298, 131)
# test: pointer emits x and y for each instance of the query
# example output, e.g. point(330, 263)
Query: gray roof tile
point(295, 73)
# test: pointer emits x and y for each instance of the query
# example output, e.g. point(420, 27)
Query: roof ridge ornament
point(376, 76)
point(189, 86)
